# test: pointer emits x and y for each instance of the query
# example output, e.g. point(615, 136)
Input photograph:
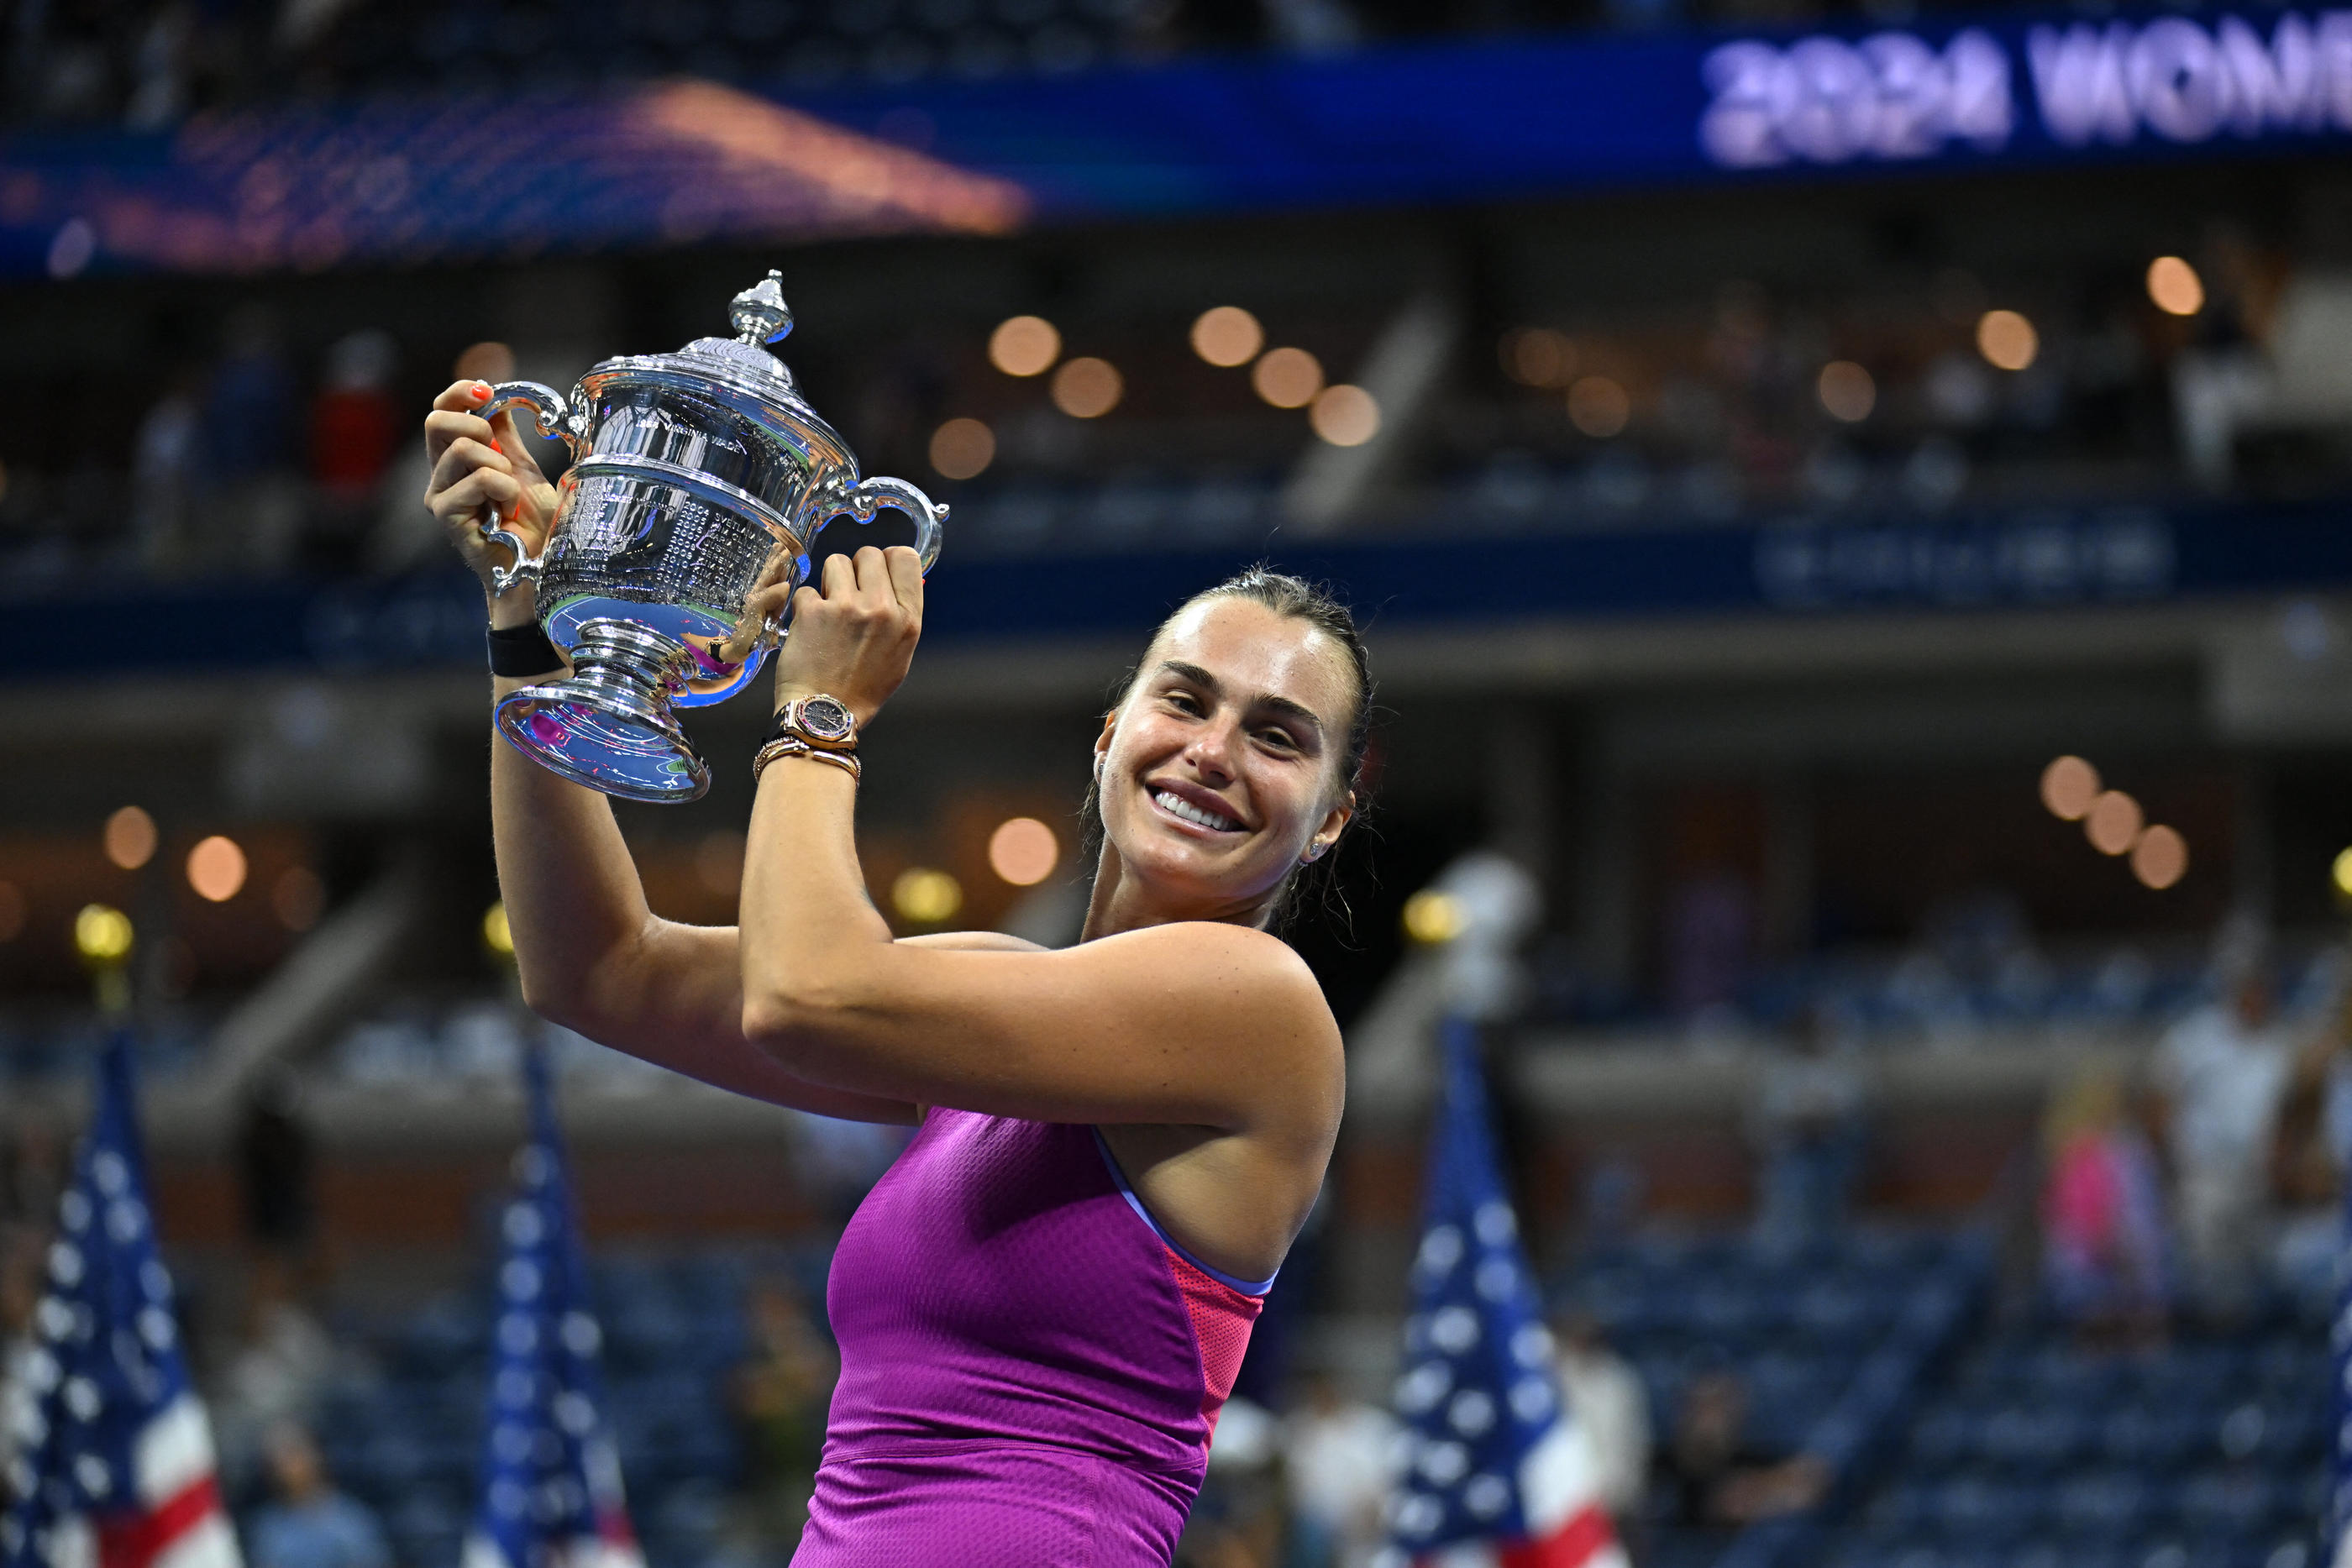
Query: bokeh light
point(2160, 858)
point(1025, 346)
point(1023, 852)
point(102, 934)
point(11, 911)
point(2175, 286)
point(1227, 335)
point(298, 897)
point(216, 869)
point(1599, 407)
point(1432, 916)
point(1088, 388)
point(130, 838)
point(498, 933)
point(1288, 377)
point(962, 448)
point(2112, 822)
point(1846, 390)
point(2069, 786)
point(923, 896)
point(2342, 874)
point(1344, 415)
point(2007, 339)
point(1538, 356)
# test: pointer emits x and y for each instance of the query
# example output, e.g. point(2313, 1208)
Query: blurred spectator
point(1609, 1405)
point(274, 1168)
point(407, 536)
point(1709, 925)
point(309, 1523)
point(782, 1393)
point(257, 510)
point(275, 1377)
point(1808, 1125)
point(354, 428)
point(2223, 1072)
point(166, 473)
point(2310, 1156)
point(1242, 1518)
point(1336, 1453)
point(1710, 1475)
point(2101, 1215)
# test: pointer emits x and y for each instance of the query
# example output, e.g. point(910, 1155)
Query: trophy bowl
point(695, 478)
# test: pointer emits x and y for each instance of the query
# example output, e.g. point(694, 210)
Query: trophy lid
point(740, 371)
point(761, 317)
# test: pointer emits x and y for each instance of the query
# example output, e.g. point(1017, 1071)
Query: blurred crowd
point(1908, 403)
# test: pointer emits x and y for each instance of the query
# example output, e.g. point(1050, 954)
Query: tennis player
point(1042, 1305)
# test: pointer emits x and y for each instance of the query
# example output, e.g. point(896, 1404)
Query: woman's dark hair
point(1299, 600)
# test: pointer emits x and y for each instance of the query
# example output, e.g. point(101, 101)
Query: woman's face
point(1217, 772)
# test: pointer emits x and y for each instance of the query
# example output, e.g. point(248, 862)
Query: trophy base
point(608, 724)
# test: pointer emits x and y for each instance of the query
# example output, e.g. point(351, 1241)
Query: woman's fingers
point(509, 439)
point(906, 578)
point(463, 456)
point(840, 578)
point(444, 429)
point(465, 498)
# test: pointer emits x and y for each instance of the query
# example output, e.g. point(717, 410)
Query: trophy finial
point(760, 313)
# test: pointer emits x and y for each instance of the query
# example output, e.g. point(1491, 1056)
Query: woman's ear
point(1102, 741)
point(1335, 822)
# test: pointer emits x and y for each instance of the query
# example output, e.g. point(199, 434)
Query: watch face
point(825, 717)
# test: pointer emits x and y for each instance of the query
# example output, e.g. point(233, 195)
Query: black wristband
point(518, 653)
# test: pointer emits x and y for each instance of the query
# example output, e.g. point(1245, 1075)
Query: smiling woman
point(1042, 1306)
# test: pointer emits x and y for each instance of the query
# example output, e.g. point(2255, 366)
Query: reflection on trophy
point(695, 478)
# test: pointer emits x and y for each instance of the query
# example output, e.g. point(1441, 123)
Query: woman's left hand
point(853, 637)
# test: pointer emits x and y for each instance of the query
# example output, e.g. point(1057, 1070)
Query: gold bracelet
point(793, 746)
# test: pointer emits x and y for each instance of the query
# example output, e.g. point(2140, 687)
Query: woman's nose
point(1212, 753)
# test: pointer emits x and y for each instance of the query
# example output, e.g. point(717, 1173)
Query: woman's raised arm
point(592, 955)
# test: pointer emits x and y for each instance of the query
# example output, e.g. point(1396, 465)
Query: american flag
point(2338, 1524)
point(114, 1467)
point(1495, 1472)
point(550, 1482)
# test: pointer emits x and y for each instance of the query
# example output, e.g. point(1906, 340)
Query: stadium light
point(2113, 823)
point(2175, 286)
point(1227, 335)
point(2342, 874)
point(1088, 388)
point(1288, 377)
point(2007, 339)
point(2069, 787)
point(102, 935)
point(1599, 407)
point(2160, 858)
point(130, 838)
point(1025, 346)
point(1538, 356)
point(962, 448)
point(925, 897)
point(498, 933)
point(299, 897)
point(1023, 852)
point(216, 869)
point(1432, 918)
point(1847, 390)
point(1344, 415)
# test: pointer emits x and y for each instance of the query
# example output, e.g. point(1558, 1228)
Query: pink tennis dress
point(1030, 1366)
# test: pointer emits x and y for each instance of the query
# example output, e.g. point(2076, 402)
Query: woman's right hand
point(479, 464)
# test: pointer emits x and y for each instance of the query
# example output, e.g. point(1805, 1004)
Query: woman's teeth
point(1177, 805)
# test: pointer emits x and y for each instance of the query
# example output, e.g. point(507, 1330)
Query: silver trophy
point(695, 478)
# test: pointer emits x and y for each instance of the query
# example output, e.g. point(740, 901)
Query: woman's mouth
point(1184, 811)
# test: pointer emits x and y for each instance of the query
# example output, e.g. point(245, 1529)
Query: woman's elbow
point(792, 1025)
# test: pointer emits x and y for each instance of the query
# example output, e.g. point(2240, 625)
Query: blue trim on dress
point(1110, 1163)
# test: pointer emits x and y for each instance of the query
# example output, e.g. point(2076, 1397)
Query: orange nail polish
point(481, 391)
point(496, 448)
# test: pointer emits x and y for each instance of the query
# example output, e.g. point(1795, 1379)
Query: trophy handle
point(552, 418)
point(866, 497)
